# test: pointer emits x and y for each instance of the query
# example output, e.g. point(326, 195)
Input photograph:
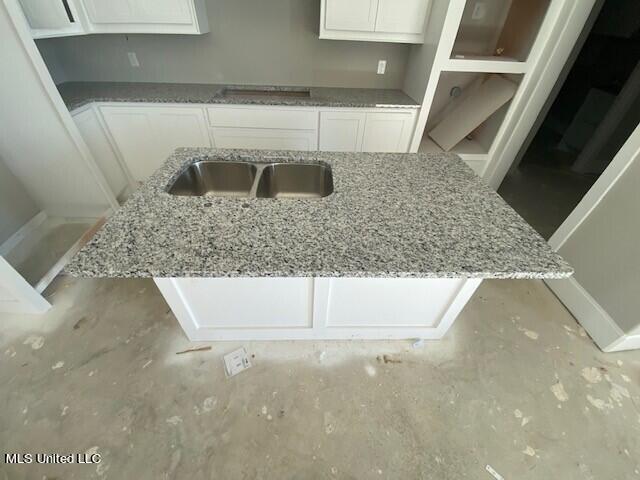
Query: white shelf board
point(467, 149)
point(480, 64)
point(45, 245)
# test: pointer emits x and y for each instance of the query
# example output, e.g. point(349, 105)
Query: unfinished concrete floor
point(516, 384)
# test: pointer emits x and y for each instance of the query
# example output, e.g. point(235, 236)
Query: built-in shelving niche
point(458, 90)
point(502, 30)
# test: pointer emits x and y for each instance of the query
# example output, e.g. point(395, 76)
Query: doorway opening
point(595, 111)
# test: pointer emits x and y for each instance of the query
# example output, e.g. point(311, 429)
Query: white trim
point(485, 66)
point(22, 233)
point(22, 29)
point(462, 297)
point(629, 152)
point(27, 300)
point(604, 331)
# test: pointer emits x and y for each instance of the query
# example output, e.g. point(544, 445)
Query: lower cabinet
point(147, 135)
point(131, 141)
point(341, 131)
point(353, 131)
point(211, 309)
point(103, 151)
point(265, 138)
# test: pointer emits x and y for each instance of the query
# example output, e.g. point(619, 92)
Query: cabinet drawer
point(265, 138)
point(263, 117)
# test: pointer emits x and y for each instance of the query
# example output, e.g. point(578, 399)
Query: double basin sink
point(254, 180)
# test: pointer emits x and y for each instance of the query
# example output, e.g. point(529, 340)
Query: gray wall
point(605, 251)
point(16, 206)
point(251, 42)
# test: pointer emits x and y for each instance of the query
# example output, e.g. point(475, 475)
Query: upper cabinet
point(399, 21)
point(147, 16)
point(56, 18)
point(52, 18)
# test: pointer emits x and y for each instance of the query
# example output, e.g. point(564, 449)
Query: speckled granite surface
point(391, 215)
point(78, 94)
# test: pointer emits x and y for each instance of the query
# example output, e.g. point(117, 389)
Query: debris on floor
point(418, 343)
point(495, 474)
point(193, 350)
point(236, 362)
point(388, 359)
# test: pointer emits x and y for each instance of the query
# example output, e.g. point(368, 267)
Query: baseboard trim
point(22, 233)
point(604, 331)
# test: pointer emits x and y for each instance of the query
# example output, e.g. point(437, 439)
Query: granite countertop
point(78, 94)
point(391, 215)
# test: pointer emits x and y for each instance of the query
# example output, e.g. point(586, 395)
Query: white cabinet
point(265, 139)
point(341, 131)
point(56, 18)
point(147, 16)
point(131, 141)
point(372, 131)
point(147, 135)
point(264, 127)
point(213, 309)
point(52, 18)
point(102, 150)
point(405, 16)
point(358, 15)
point(388, 132)
point(374, 20)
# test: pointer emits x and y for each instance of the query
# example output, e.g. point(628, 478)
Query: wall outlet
point(479, 11)
point(382, 67)
point(133, 59)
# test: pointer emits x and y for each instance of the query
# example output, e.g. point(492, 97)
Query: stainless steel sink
point(258, 92)
point(220, 179)
point(254, 180)
point(295, 180)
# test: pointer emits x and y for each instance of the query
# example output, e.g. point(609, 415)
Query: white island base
point(211, 309)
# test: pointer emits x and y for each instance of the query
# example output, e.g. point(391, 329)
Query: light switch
point(133, 59)
point(382, 67)
point(479, 11)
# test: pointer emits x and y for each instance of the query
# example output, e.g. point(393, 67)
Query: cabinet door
point(265, 139)
point(139, 11)
point(176, 127)
point(341, 131)
point(402, 16)
point(388, 132)
point(146, 136)
point(102, 151)
point(46, 14)
point(355, 15)
point(131, 129)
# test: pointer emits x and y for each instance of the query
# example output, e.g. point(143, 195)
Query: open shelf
point(491, 30)
point(40, 250)
point(478, 63)
point(475, 146)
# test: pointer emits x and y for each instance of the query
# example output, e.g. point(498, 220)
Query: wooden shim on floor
point(462, 120)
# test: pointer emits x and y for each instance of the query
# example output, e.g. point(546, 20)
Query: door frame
point(596, 321)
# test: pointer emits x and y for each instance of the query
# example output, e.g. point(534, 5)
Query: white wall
point(34, 142)
point(16, 206)
point(605, 251)
point(251, 42)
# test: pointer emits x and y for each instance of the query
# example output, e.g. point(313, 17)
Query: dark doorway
point(596, 110)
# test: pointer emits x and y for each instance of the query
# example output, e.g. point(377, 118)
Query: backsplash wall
point(251, 42)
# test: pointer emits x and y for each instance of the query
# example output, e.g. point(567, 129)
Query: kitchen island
point(395, 250)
